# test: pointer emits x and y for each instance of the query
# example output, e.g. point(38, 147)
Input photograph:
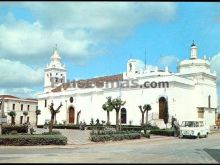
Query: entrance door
point(162, 101)
point(71, 115)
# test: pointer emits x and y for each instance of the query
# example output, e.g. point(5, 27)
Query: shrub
point(148, 126)
point(52, 133)
point(28, 140)
point(32, 130)
point(20, 129)
point(114, 136)
point(13, 132)
point(146, 135)
point(163, 132)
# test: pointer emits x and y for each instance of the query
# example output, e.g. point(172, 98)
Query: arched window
point(71, 99)
point(123, 116)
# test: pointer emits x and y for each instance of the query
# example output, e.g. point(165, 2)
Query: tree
point(37, 112)
point(108, 108)
point(147, 108)
point(25, 113)
point(165, 114)
point(116, 104)
point(53, 113)
point(12, 114)
point(142, 114)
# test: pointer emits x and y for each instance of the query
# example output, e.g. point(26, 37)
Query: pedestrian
point(80, 125)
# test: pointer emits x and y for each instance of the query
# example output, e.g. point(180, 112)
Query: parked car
point(194, 128)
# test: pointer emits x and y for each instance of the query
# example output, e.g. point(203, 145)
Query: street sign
point(3, 120)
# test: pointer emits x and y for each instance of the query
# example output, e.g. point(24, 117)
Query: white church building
point(190, 93)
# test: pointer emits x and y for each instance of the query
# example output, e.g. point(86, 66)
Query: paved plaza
point(74, 136)
point(157, 149)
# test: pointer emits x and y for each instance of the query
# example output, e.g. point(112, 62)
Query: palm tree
point(116, 104)
point(53, 113)
point(108, 108)
point(37, 112)
point(25, 113)
point(12, 114)
point(147, 107)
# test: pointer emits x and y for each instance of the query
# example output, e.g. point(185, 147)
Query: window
point(28, 107)
point(36, 107)
point(28, 119)
point(22, 107)
point(209, 101)
point(13, 107)
point(56, 73)
point(123, 116)
point(71, 99)
point(45, 103)
point(21, 119)
point(56, 80)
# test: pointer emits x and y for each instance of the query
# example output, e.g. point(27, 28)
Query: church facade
point(190, 93)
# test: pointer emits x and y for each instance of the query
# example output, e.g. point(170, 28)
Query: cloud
point(31, 43)
point(100, 16)
point(167, 60)
point(20, 92)
point(15, 74)
point(80, 29)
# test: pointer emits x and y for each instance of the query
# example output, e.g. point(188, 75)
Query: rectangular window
point(22, 107)
point(21, 119)
point(36, 107)
point(28, 107)
point(28, 119)
point(13, 107)
point(45, 103)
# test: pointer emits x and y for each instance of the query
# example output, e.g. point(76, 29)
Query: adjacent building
point(190, 93)
point(18, 105)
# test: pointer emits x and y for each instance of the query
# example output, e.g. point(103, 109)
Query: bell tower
point(54, 73)
point(193, 54)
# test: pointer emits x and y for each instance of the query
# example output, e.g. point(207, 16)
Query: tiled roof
point(98, 81)
point(14, 97)
point(8, 96)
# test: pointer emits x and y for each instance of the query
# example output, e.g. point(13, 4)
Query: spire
point(193, 44)
point(193, 54)
point(55, 55)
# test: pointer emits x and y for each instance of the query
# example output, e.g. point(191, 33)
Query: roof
point(98, 81)
point(17, 98)
point(8, 96)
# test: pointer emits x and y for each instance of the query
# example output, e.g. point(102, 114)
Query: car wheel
point(206, 135)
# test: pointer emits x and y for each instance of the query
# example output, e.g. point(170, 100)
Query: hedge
point(62, 126)
point(30, 140)
point(52, 133)
point(7, 129)
point(163, 132)
point(114, 137)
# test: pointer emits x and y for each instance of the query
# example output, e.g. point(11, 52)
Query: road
point(154, 150)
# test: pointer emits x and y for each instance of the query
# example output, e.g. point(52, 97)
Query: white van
point(194, 128)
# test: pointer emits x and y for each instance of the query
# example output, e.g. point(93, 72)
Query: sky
point(97, 38)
